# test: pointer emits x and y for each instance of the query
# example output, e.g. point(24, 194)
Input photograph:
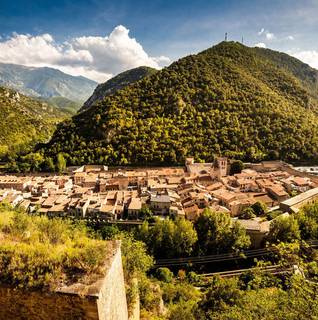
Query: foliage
point(308, 221)
point(221, 294)
point(236, 167)
point(61, 163)
point(259, 208)
point(145, 213)
point(24, 122)
point(38, 252)
point(116, 83)
point(109, 232)
point(229, 100)
point(226, 301)
point(284, 229)
point(168, 238)
point(218, 234)
point(164, 274)
point(136, 261)
point(181, 299)
point(248, 213)
point(273, 214)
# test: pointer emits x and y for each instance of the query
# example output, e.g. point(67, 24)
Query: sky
point(100, 38)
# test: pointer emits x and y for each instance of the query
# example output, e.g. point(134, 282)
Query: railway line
point(254, 253)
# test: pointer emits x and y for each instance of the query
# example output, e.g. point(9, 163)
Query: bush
point(164, 274)
point(41, 252)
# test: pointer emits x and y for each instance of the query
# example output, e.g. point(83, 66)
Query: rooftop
point(301, 197)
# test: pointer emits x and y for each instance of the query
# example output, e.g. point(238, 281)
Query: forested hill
point(247, 103)
point(24, 122)
point(116, 83)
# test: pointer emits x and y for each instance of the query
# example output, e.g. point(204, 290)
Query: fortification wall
point(104, 300)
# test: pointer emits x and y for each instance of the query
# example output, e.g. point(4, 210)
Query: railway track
point(274, 269)
point(254, 253)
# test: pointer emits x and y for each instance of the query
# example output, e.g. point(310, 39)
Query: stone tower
point(220, 165)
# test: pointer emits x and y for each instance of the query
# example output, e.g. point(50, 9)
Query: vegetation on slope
point(24, 122)
point(64, 104)
point(230, 100)
point(116, 83)
point(37, 252)
point(256, 294)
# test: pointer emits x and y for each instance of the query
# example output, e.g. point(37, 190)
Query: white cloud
point(290, 38)
point(98, 58)
point(309, 57)
point(270, 36)
point(260, 45)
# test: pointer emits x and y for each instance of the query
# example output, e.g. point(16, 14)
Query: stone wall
point(103, 300)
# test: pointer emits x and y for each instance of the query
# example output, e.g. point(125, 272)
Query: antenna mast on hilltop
point(225, 36)
point(242, 40)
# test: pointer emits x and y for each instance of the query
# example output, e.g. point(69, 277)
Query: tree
point(164, 274)
point(220, 294)
point(109, 232)
point(248, 213)
point(145, 213)
point(136, 261)
point(259, 208)
point(236, 167)
point(308, 221)
point(35, 160)
point(168, 238)
point(48, 165)
point(284, 229)
point(61, 163)
point(218, 233)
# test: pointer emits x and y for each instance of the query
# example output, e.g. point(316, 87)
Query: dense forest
point(116, 83)
point(247, 103)
point(25, 122)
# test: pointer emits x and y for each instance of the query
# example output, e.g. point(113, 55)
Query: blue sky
point(164, 29)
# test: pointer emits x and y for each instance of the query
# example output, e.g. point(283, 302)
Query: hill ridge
point(228, 99)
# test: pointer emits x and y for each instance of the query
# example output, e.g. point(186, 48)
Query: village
point(99, 194)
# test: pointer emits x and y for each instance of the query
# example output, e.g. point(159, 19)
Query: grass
point(37, 252)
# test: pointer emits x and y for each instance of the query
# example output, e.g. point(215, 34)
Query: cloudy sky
point(100, 38)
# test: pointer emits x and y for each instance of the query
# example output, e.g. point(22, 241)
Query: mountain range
point(246, 103)
point(46, 83)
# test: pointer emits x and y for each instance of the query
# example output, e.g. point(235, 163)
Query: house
point(79, 178)
point(295, 203)
point(107, 212)
point(236, 207)
point(224, 196)
point(160, 204)
point(256, 229)
point(192, 213)
point(301, 184)
point(247, 185)
point(134, 208)
point(277, 192)
point(177, 211)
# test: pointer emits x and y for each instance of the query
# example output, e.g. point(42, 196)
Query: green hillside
point(64, 104)
point(116, 83)
point(247, 103)
point(24, 122)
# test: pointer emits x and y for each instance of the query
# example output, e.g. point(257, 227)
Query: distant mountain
point(64, 104)
point(246, 103)
point(45, 82)
point(116, 83)
point(25, 121)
